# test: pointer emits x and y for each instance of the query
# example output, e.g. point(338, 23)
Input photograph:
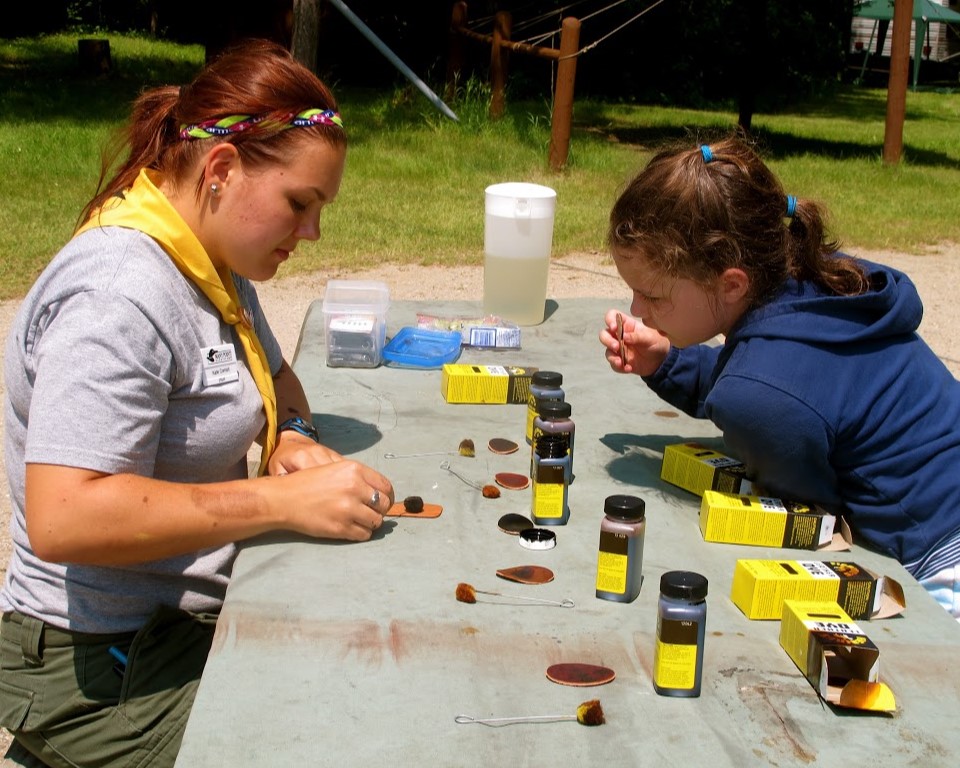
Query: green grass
point(413, 191)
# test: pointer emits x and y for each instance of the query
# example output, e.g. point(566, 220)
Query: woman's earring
point(215, 189)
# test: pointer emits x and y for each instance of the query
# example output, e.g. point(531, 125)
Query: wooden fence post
point(94, 56)
point(456, 59)
point(897, 83)
point(499, 54)
point(562, 120)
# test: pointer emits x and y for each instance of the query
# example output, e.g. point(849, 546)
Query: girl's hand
point(631, 347)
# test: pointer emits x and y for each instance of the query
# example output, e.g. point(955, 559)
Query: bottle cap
point(683, 585)
point(623, 507)
point(538, 538)
point(552, 409)
point(546, 379)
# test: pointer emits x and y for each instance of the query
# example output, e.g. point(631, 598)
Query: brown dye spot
point(413, 504)
point(398, 648)
point(666, 414)
point(490, 492)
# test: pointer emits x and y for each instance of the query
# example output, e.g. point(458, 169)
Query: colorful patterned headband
point(224, 126)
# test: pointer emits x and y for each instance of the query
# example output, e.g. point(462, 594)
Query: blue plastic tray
point(422, 348)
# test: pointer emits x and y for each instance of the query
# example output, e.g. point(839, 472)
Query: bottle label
point(549, 492)
point(531, 415)
point(612, 563)
point(675, 657)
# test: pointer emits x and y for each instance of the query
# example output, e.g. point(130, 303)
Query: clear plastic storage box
point(355, 322)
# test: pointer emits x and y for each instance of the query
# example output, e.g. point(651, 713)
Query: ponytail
point(149, 135)
point(813, 256)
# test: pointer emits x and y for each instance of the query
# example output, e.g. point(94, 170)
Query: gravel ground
point(285, 299)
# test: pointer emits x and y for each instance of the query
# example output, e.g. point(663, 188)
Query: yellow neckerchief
point(145, 208)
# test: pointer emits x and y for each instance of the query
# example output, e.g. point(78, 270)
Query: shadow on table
point(641, 457)
point(274, 538)
point(344, 434)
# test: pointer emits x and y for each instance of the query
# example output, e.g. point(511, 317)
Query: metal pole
point(393, 58)
point(897, 85)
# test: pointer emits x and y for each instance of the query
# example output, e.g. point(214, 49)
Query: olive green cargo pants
point(71, 701)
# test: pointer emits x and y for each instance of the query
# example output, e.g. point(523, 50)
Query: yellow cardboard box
point(497, 384)
point(697, 468)
point(732, 518)
point(835, 655)
point(760, 587)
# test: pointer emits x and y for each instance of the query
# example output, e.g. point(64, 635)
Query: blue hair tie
point(791, 206)
point(706, 152)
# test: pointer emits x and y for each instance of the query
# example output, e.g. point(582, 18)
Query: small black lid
point(553, 409)
point(683, 585)
point(624, 507)
point(547, 378)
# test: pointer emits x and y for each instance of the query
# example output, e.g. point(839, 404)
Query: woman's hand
point(339, 500)
point(631, 347)
point(295, 452)
point(85, 517)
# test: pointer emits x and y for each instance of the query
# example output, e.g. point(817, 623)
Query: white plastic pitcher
point(517, 238)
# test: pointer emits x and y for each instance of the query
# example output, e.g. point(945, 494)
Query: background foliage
point(684, 52)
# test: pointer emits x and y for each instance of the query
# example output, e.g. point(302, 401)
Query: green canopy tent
point(924, 12)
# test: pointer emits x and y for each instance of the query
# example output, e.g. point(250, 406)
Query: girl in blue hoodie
point(822, 386)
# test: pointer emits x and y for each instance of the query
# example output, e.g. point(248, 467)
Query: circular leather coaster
point(526, 574)
point(580, 675)
point(513, 523)
point(512, 481)
point(502, 446)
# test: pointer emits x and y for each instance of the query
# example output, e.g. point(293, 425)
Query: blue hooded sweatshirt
point(836, 400)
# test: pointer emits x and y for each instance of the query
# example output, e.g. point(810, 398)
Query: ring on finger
point(374, 499)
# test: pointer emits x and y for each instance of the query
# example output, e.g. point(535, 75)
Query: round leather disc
point(512, 481)
point(513, 523)
point(526, 574)
point(502, 446)
point(580, 675)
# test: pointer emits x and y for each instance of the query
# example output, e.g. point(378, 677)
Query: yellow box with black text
point(697, 468)
point(760, 587)
point(835, 655)
point(494, 384)
point(732, 518)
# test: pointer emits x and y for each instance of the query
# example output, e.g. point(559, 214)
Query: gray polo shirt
point(105, 370)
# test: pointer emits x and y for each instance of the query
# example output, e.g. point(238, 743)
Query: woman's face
point(261, 214)
point(681, 310)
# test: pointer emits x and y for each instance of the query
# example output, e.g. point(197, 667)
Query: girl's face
point(261, 214)
point(683, 311)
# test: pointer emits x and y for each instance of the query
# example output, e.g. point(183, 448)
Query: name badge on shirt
point(219, 365)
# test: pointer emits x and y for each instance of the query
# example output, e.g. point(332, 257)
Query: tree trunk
point(306, 32)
